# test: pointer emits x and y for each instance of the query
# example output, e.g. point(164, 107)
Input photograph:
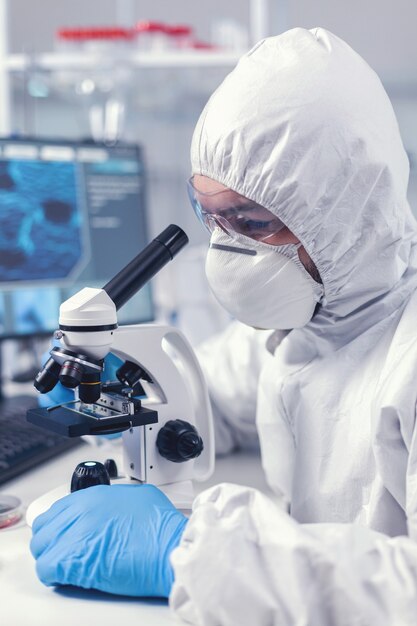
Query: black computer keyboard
point(23, 445)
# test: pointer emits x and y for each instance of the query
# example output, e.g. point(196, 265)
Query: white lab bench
point(24, 600)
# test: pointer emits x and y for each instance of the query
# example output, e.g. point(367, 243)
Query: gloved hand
point(115, 538)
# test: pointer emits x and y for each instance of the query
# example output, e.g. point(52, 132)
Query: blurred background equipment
point(121, 72)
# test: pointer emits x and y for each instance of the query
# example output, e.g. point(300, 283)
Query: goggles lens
point(238, 215)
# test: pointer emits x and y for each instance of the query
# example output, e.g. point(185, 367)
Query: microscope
point(159, 400)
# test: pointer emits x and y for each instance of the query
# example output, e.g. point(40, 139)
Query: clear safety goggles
point(237, 216)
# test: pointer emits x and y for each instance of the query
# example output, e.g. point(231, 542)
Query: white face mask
point(261, 285)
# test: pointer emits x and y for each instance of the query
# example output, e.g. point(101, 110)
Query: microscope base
point(181, 495)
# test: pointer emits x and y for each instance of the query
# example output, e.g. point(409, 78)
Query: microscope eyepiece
point(146, 264)
point(173, 238)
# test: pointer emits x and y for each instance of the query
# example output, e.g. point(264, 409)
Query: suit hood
point(304, 127)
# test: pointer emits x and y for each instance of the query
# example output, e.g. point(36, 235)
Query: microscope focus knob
point(179, 441)
point(88, 474)
point(111, 467)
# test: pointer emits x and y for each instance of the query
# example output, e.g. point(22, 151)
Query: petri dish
point(10, 511)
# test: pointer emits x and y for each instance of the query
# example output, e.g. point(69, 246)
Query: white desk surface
point(24, 600)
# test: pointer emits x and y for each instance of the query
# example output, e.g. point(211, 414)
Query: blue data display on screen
point(40, 221)
point(35, 310)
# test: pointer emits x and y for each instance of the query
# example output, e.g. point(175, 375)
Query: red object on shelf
point(150, 27)
point(179, 30)
point(88, 34)
point(181, 35)
point(202, 45)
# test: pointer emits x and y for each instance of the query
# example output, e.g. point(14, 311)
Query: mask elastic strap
point(238, 250)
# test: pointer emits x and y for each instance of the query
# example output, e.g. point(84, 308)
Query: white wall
point(382, 31)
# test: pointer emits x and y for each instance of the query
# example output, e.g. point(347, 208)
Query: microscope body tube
point(88, 318)
point(145, 265)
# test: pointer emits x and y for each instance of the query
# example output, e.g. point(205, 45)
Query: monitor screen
point(71, 215)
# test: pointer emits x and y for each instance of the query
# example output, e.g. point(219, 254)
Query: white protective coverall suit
point(303, 127)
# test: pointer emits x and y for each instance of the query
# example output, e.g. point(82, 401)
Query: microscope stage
point(77, 418)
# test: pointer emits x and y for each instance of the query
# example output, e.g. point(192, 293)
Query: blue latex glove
point(116, 539)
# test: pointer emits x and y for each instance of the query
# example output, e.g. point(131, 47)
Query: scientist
point(300, 175)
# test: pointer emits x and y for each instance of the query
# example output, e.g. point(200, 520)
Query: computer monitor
point(72, 214)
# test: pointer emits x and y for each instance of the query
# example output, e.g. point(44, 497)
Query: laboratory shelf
point(80, 60)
